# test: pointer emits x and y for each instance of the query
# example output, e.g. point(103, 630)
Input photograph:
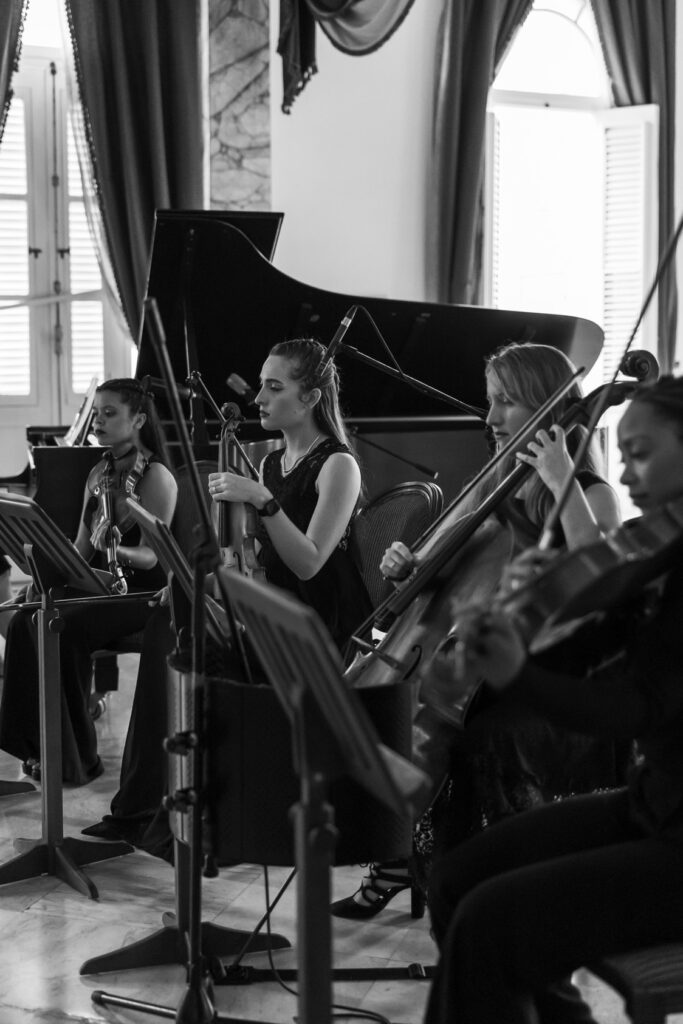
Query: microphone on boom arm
point(338, 337)
point(241, 388)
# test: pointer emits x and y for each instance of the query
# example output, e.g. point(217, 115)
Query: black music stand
point(331, 736)
point(41, 550)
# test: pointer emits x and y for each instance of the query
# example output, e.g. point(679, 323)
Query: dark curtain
point(12, 13)
point(138, 70)
point(639, 44)
point(474, 37)
point(356, 27)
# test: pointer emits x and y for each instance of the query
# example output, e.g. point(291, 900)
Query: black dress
point(86, 629)
point(510, 757)
point(337, 591)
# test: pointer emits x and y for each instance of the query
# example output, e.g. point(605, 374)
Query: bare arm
point(158, 492)
point(586, 515)
point(338, 487)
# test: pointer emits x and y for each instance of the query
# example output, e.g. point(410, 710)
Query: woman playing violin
point(501, 764)
point(124, 422)
point(307, 491)
point(517, 908)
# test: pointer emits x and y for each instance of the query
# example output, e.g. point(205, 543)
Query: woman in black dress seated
point(500, 764)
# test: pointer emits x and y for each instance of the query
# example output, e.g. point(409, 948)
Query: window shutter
point(629, 228)
point(15, 375)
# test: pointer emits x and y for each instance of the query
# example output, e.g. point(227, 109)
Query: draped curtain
point(638, 41)
point(12, 13)
point(475, 36)
point(356, 27)
point(138, 71)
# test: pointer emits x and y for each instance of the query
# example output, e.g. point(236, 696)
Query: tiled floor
point(49, 930)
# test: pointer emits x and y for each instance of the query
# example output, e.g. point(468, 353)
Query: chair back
point(402, 513)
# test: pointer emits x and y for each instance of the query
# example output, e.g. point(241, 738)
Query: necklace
point(285, 471)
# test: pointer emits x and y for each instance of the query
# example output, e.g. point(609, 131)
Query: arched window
point(571, 183)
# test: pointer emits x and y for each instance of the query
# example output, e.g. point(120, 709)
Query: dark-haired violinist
point(519, 907)
point(500, 764)
point(124, 422)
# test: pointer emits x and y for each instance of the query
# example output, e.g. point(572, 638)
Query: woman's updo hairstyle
point(665, 398)
point(133, 394)
point(310, 368)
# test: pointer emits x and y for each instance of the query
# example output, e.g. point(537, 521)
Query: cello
point(460, 560)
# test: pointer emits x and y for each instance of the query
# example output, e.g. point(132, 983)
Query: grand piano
point(223, 305)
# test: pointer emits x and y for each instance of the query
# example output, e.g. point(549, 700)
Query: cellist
point(516, 909)
point(499, 764)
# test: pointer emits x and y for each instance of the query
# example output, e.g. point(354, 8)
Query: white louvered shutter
point(629, 228)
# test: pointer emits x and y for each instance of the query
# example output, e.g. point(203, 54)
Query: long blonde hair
point(529, 374)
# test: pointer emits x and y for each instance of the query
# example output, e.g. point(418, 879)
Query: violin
point(584, 583)
point(236, 522)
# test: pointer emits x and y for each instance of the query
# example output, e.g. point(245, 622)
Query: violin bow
point(551, 522)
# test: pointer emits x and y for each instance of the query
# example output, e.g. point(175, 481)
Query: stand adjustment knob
point(181, 743)
point(182, 800)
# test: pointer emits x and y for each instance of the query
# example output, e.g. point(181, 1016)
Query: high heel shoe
point(352, 909)
point(31, 767)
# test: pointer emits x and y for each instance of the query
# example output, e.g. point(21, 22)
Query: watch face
point(270, 508)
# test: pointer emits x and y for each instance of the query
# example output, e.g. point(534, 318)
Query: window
point(58, 327)
point(572, 183)
point(571, 191)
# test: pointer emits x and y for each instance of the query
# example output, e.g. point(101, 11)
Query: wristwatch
point(269, 509)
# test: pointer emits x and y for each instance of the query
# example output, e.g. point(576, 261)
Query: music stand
point(42, 551)
point(331, 736)
point(172, 560)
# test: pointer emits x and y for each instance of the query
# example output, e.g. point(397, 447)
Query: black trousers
point(86, 629)
point(516, 909)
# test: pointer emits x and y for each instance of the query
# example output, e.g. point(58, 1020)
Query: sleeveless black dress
point(336, 592)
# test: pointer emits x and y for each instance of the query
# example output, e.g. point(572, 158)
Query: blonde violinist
point(125, 425)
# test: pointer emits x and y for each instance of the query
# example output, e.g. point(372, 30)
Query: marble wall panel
point(239, 103)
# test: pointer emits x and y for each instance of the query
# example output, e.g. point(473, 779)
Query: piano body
point(223, 305)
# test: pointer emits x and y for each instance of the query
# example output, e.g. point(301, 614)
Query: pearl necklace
point(285, 471)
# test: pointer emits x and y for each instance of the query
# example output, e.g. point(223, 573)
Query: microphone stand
point(397, 373)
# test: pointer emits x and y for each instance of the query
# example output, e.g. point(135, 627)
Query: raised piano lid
point(223, 305)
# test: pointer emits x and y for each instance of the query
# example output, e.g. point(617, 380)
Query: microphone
point(240, 387)
point(640, 364)
point(346, 322)
point(157, 386)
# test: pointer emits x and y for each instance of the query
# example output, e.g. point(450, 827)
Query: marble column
point(239, 102)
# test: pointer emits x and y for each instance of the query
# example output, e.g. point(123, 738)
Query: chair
point(105, 667)
point(402, 513)
point(649, 980)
